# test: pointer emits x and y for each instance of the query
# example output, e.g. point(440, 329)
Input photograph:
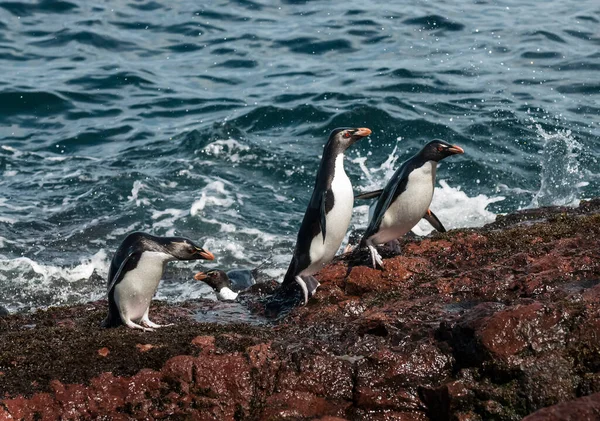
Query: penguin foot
point(147, 322)
point(302, 284)
point(376, 258)
point(132, 325)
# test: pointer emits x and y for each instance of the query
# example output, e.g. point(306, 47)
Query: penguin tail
point(113, 318)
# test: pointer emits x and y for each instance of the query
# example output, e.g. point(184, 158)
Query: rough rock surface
point(477, 324)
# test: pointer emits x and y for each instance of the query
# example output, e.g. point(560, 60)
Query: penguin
point(406, 198)
point(136, 270)
point(229, 285)
point(3, 312)
point(328, 214)
point(429, 215)
point(356, 235)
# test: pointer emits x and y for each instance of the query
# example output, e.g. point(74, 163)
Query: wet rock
point(586, 408)
point(476, 324)
point(3, 311)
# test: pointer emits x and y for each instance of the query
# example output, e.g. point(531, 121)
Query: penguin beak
point(205, 254)
point(362, 132)
point(456, 149)
point(200, 276)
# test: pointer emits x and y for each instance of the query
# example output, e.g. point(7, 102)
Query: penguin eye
point(440, 148)
point(346, 135)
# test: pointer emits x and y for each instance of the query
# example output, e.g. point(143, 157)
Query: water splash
point(453, 207)
point(561, 178)
point(458, 210)
point(25, 282)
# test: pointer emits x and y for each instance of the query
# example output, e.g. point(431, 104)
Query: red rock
point(322, 375)
point(488, 323)
point(225, 377)
point(144, 347)
point(103, 352)
point(582, 409)
point(179, 369)
point(293, 405)
point(205, 343)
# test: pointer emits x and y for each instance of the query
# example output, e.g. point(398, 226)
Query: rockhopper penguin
point(406, 198)
point(328, 214)
point(136, 270)
point(227, 285)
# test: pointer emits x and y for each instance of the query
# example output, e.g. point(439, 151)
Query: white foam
point(227, 147)
point(561, 178)
point(213, 194)
point(15, 151)
point(5, 204)
point(167, 218)
point(135, 192)
point(7, 220)
point(27, 282)
point(453, 207)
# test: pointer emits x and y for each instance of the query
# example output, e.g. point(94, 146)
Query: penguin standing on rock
point(406, 198)
point(136, 270)
point(327, 217)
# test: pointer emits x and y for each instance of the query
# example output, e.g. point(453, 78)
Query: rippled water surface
point(208, 121)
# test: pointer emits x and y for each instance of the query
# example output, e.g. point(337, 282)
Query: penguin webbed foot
point(133, 325)
point(152, 325)
point(308, 284)
point(376, 257)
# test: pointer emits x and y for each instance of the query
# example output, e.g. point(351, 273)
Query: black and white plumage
point(406, 198)
point(328, 214)
point(227, 285)
point(135, 272)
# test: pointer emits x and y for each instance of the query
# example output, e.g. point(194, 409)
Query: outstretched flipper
point(434, 221)
point(369, 195)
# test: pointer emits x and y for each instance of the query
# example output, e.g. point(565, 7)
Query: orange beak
point(456, 149)
point(200, 276)
point(362, 132)
point(205, 254)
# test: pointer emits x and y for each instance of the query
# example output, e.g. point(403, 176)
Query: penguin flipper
point(117, 276)
point(434, 221)
point(395, 186)
point(369, 195)
point(323, 218)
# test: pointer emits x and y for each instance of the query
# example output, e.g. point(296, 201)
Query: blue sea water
point(207, 119)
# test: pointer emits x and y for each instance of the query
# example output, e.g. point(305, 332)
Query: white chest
point(226, 294)
point(410, 206)
point(135, 291)
point(337, 220)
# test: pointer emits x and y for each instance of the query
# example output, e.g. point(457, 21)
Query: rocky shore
point(496, 323)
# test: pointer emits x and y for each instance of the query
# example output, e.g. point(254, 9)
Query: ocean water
point(208, 121)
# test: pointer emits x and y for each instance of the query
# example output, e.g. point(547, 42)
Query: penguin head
point(184, 249)
point(216, 279)
point(436, 150)
point(345, 137)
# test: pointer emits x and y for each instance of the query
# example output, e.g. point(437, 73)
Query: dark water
point(208, 121)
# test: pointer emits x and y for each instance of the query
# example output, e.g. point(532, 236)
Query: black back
point(126, 259)
point(311, 226)
point(436, 150)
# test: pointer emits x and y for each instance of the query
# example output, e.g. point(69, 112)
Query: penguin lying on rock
point(229, 285)
point(328, 214)
point(136, 270)
point(406, 198)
